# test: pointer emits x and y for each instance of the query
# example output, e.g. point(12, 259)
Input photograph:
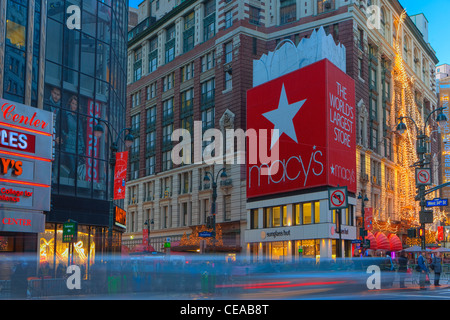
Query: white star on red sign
point(283, 118)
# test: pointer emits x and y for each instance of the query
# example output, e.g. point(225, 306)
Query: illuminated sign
point(26, 142)
point(121, 217)
point(18, 141)
point(313, 110)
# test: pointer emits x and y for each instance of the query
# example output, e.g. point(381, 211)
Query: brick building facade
point(193, 61)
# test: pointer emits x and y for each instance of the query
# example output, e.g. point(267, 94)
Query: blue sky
point(437, 13)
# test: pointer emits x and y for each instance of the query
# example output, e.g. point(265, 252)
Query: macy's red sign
point(311, 114)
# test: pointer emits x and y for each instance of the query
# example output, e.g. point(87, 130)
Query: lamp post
point(147, 225)
point(363, 207)
point(223, 176)
point(98, 132)
point(421, 150)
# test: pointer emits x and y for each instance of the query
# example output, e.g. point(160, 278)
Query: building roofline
point(172, 13)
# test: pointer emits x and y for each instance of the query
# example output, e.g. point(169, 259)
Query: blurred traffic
point(208, 276)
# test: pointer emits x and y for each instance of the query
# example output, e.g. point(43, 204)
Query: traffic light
point(412, 233)
point(209, 222)
point(421, 232)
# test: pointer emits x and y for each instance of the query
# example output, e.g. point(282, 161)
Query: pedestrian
point(19, 281)
point(402, 268)
point(423, 269)
point(436, 266)
point(390, 268)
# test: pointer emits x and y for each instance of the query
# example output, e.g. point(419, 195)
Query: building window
point(208, 61)
point(208, 93)
point(288, 11)
point(254, 15)
point(167, 160)
point(228, 52)
point(209, 22)
point(208, 119)
point(307, 213)
point(153, 55)
point(168, 82)
point(137, 64)
point(150, 142)
point(150, 165)
point(254, 214)
point(135, 99)
point(168, 109)
point(228, 19)
point(151, 91)
point(135, 123)
point(187, 102)
point(189, 30)
point(170, 44)
point(187, 72)
point(167, 134)
point(325, 6)
point(228, 80)
point(151, 116)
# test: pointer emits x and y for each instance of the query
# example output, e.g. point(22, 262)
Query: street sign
point(205, 234)
point(437, 202)
point(337, 198)
point(423, 176)
point(70, 231)
point(426, 217)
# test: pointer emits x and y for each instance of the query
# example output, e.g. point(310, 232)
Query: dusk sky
point(436, 11)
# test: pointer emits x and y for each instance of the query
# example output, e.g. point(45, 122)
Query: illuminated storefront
point(286, 229)
point(54, 254)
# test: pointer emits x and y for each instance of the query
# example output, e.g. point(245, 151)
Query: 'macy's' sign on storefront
point(311, 114)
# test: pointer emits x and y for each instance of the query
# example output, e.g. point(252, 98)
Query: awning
point(373, 241)
point(382, 241)
point(395, 242)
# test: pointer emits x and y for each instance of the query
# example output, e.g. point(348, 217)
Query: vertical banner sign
point(145, 237)
point(368, 216)
point(92, 145)
point(440, 233)
point(120, 175)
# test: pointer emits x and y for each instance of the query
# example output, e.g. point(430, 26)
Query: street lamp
point(147, 225)
point(206, 179)
point(363, 206)
point(421, 150)
point(128, 141)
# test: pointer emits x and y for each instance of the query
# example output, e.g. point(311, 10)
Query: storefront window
point(307, 213)
point(254, 219)
point(55, 256)
point(308, 248)
point(276, 217)
point(317, 212)
point(297, 219)
point(278, 250)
